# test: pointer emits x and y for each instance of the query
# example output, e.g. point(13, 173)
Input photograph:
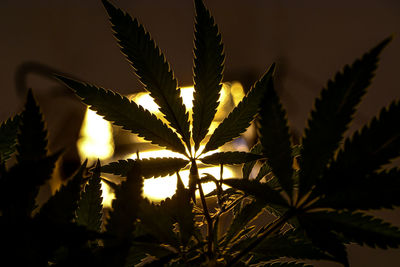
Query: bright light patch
point(96, 139)
point(107, 195)
point(163, 187)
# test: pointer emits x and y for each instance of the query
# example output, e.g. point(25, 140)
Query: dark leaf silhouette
point(8, 137)
point(235, 157)
point(332, 114)
point(207, 72)
point(152, 167)
point(151, 68)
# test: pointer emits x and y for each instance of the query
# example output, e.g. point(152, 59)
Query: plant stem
point(195, 173)
point(270, 229)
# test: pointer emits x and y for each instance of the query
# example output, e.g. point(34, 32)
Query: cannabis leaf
point(248, 167)
point(233, 157)
point(239, 119)
point(89, 212)
point(8, 136)
point(152, 167)
point(32, 137)
point(207, 72)
point(275, 138)
point(122, 112)
point(151, 67)
point(260, 191)
point(61, 207)
point(333, 112)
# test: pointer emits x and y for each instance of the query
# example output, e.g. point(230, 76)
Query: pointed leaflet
point(377, 191)
point(240, 118)
point(62, 205)
point(180, 209)
point(207, 72)
point(31, 139)
point(152, 167)
point(229, 157)
point(151, 68)
point(21, 200)
point(369, 149)
point(275, 138)
point(248, 167)
point(286, 264)
point(261, 191)
point(89, 212)
point(292, 244)
point(333, 112)
point(247, 213)
point(125, 206)
point(122, 112)
point(8, 136)
point(358, 227)
point(156, 222)
point(324, 239)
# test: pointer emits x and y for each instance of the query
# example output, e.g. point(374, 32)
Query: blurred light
point(96, 141)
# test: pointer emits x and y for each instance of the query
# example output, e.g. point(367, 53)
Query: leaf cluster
point(314, 196)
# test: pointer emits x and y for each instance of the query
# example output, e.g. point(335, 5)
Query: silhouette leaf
point(125, 207)
point(325, 240)
point(291, 244)
point(8, 137)
point(332, 114)
point(20, 200)
point(248, 166)
point(155, 221)
point(357, 227)
point(285, 264)
point(89, 212)
point(242, 115)
point(207, 72)
point(379, 190)
point(61, 207)
point(180, 209)
point(235, 157)
point(123, 112)
point(31, 139)
point(152, 167)
point(261, 191)
point(369, 149)
point(275, 138)
point(151, 67)
point(245, 215)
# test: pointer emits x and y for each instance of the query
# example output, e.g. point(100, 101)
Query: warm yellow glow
point(146, 101)
point(187, 97)
point(96, 137)
point(107, 195)
point(163, 187)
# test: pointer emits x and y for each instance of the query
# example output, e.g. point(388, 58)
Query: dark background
point(310, 41)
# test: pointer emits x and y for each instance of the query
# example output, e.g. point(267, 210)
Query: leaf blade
point(239, 119)
point(275, 138)
point(332, 114)
point(122, 112)
point(8, 137)
point(152, 167)
point(151, 68)
point(207, 72)
point(230, 157)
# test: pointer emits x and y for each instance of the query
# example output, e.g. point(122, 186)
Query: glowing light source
point(96, 137)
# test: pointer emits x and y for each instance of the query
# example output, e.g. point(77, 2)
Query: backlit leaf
point(242, 115)
point(127, 114)
point(151, 67)
point(152, 167)
point(207, 72)
point(235, 157)
point(332, 114)
point(275, 138)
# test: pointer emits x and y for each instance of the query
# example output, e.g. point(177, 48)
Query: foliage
point(318, 191)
